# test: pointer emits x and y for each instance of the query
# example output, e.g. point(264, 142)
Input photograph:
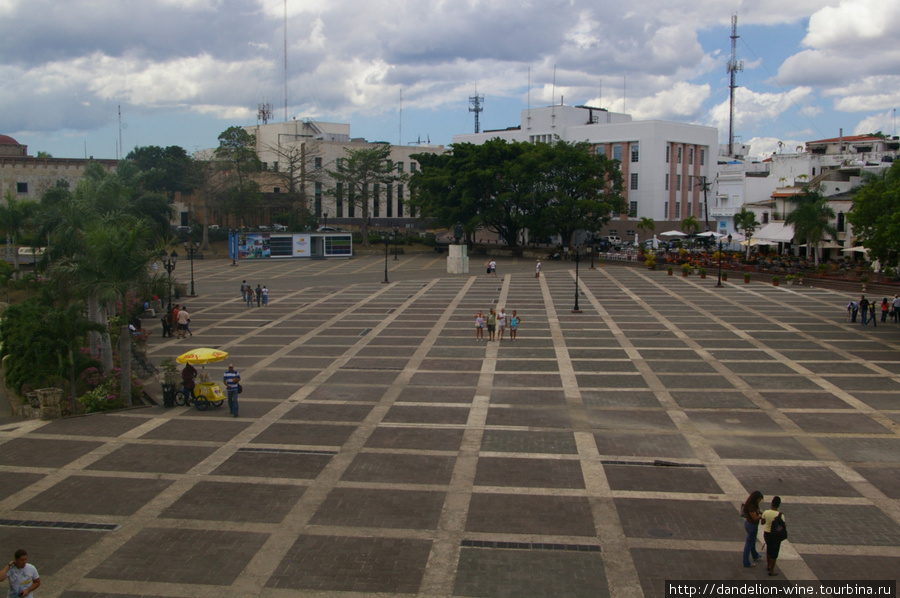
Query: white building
point(663, 163)
point(317, 147)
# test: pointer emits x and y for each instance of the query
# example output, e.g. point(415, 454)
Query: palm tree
point(648, 225)
point(745, 221)
point(811, 219)
point(70, 329)
point(14, 215)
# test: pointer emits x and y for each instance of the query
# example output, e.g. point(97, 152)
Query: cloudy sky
point(183, 71)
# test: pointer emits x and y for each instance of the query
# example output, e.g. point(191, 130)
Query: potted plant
point(670, 270)
point(724, 276)
point(775, 281)
point(602, 262)
point(169, 369)
point(789, 279)
point(650, 262)
point(746, 278)
point(685, 269)
point(702, 272)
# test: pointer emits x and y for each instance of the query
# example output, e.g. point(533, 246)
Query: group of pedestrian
point(774, 529)
point(492, 267)
point(497, 323)
point(867, 310)
point(249, 294)
point(176, 322)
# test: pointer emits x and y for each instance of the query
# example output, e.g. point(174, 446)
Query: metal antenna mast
point(476, 101)
point(734, 65)
point(285, 63)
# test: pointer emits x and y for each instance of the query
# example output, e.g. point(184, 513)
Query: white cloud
point(884, 122)
point(754, 111)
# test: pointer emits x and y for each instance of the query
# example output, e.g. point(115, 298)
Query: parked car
point(279, 228)
point(213, 227)
point(182, 230)
point(263, 228)
point(329, 229)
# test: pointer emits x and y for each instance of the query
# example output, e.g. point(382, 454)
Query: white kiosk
point(458, 260)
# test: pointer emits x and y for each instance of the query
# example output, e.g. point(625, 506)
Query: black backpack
point(779, 529)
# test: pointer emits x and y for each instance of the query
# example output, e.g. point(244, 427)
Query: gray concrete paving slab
point(381, 450)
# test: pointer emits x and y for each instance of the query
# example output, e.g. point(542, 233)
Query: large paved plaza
point(381, 450)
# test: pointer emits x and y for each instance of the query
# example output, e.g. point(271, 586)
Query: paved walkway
point(381, 450)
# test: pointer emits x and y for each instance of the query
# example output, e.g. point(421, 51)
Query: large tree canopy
point(556, 188)
point(876, 215)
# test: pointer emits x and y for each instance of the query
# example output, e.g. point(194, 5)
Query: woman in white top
point(773, 545)
point(501, 323)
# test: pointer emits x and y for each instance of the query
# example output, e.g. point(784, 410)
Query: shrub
point(686, 268)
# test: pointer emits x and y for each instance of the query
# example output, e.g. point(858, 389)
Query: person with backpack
point(774, 533)
point(752, 515)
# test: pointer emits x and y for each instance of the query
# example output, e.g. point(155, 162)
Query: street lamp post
point(576, 309)
point(387, 240)
point(719, 283)
point(232, 245)
point(592, 254)
point(396, 236)
point(169, 262)
point(325, 216)
point(190, 247)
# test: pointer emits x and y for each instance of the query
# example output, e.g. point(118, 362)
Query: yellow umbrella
point(202, 356)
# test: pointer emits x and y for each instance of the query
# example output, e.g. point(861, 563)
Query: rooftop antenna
point(733, 67)
point(476, 101)
point(400, 126)
point(624, 81)
point(264, 112)
point(529, 98)
point(121, 147)
point(285, 64)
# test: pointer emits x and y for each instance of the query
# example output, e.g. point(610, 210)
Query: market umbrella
point(857, 249)
point(710, 233)
point(672, 233)
point(202, 356)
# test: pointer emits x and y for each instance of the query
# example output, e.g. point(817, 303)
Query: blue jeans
point(232, 400)
point(750, 543)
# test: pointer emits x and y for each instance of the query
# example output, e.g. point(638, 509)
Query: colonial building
point(27, 176)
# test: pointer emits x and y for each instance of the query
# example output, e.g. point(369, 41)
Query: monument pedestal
point(458, 260)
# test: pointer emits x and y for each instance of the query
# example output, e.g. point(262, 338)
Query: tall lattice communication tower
point(264, 113)
point(734, 65)
point(477, 102)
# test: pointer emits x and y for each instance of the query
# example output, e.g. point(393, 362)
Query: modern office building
point(665, 165)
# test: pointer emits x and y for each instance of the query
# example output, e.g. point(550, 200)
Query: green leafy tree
point(745, 221)
point(237, 164)
point(575, 189)
point(438, 191)
point(167, 170)
point(359, 172)
point(647, 225)
point(812, 219)
point(875, 215)
point(15, 216)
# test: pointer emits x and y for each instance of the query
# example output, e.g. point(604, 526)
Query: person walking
point(265, 296)
point(492, 324)
point(493, 267)
point(183, 319)
point(244, 286)
point(513, 325)
point(258, 296)
point(189, 380)
point(864, 309)
point(895, 304)
point(852, 309)
point(872, 314)
point(773, 543)
point(885, 309)
point(232, 379)
point(751, 514)
point(537, 269)
point(479, 326)
point(168, 324)
point(248, 296)
point(23, 578)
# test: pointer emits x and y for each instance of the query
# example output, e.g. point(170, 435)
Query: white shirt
point(21, 579)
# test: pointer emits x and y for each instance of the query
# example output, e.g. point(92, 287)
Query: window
point(276, 190)
point(617, 152)
point(339, 199)
point(690, 183)
point(667, 182)
point(635, 152)
point(690, 209)
point(389, 200)
point(840, 222)
point(318, 162)
point(634, 181)
point(666, 211)
point(690, 155)
point(679, 154)
point(412, 166)
point(678, 182)
point(399, 166)
point(600, 149)
point(668, 153)
point(400, 200)
point(265, 166)
point(632, 211)
point(340, 163)
point(677, 211)
point(318, 200)
point(275, 166)
point(702, 157)
point(351, 204)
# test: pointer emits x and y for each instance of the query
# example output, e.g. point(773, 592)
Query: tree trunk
point(94, 316)
point(72, 380)
point(125, 362)
point(204, 245)
point(105, 343)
